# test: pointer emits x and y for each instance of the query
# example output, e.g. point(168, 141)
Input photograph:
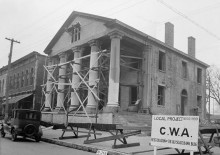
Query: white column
point(93, 76)
point(61, 80)
point(48, 95)
point(114, 71)
point(147, 75)
point(75, 78)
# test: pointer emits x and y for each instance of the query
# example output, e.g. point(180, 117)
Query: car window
point(28, 115)
point(21, 115)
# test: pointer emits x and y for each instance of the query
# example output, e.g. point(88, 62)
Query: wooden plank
point(46, 124)
point(68, 130)
point(125, 145)
point(209, 129)
point(142, 128)
point(59, 126)
point(111, 137)
point(71, 137)
point(104, 127)
point(101, 127)
point(90, 132)
point(68, 137)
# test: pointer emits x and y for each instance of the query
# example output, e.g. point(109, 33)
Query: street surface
point(30, 147)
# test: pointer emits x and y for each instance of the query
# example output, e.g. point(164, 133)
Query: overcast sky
point(35, 22)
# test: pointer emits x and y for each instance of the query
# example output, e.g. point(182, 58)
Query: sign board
point(179, 132)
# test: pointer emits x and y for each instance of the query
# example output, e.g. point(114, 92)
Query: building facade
point(25, 79)
point(3, 74)
point(104, 64)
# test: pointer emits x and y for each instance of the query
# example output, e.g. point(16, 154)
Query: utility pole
point(7, 76)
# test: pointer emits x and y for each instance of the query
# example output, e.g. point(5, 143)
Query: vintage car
point(24, 122)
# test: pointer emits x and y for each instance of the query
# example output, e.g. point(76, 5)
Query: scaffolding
point(101, 84)
point(100, 95)
point(81, 88)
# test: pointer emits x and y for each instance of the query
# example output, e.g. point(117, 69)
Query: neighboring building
point(25, 79)
point(3, 74)
point(135, 71)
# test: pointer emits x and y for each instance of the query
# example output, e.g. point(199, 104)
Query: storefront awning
point(17, 98)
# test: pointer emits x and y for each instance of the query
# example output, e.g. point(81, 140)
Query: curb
point(82, 147)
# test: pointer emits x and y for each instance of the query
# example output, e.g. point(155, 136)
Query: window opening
point(161, 95)
point(162, 61)
point(199, 75)
point(184, 70)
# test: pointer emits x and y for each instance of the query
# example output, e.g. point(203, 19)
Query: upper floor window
point(32, 76)
point(3, 85)
point(22, 79)
point(74, 31)
point(184, 69)
point(11, 82)
point(14, 82)
point(199, 75)
point(26, 80)
point(161, 95)
point(162, 61)
point(18, 79)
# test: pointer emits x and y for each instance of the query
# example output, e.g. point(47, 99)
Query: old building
point(110, 67)
point(25, 80)
point(3, 74)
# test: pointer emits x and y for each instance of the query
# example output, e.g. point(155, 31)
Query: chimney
point(169, 34)
point(192, 46)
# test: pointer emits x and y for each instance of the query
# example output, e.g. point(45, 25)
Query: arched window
point(184, 100)
point(184, 93)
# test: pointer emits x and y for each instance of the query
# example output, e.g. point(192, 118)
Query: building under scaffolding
point(99, 65)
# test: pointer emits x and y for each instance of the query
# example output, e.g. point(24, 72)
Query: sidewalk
point(52, 136)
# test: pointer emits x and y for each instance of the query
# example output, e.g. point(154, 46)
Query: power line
point(48, 15)
point(132, 5)
point(128, 7)
point(187, 18)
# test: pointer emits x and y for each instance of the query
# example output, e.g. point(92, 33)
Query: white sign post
point(179, 132)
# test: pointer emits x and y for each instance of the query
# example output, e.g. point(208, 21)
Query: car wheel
point(13, 135)
point(37, 138)
point(2, 134)
point(30, 130)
